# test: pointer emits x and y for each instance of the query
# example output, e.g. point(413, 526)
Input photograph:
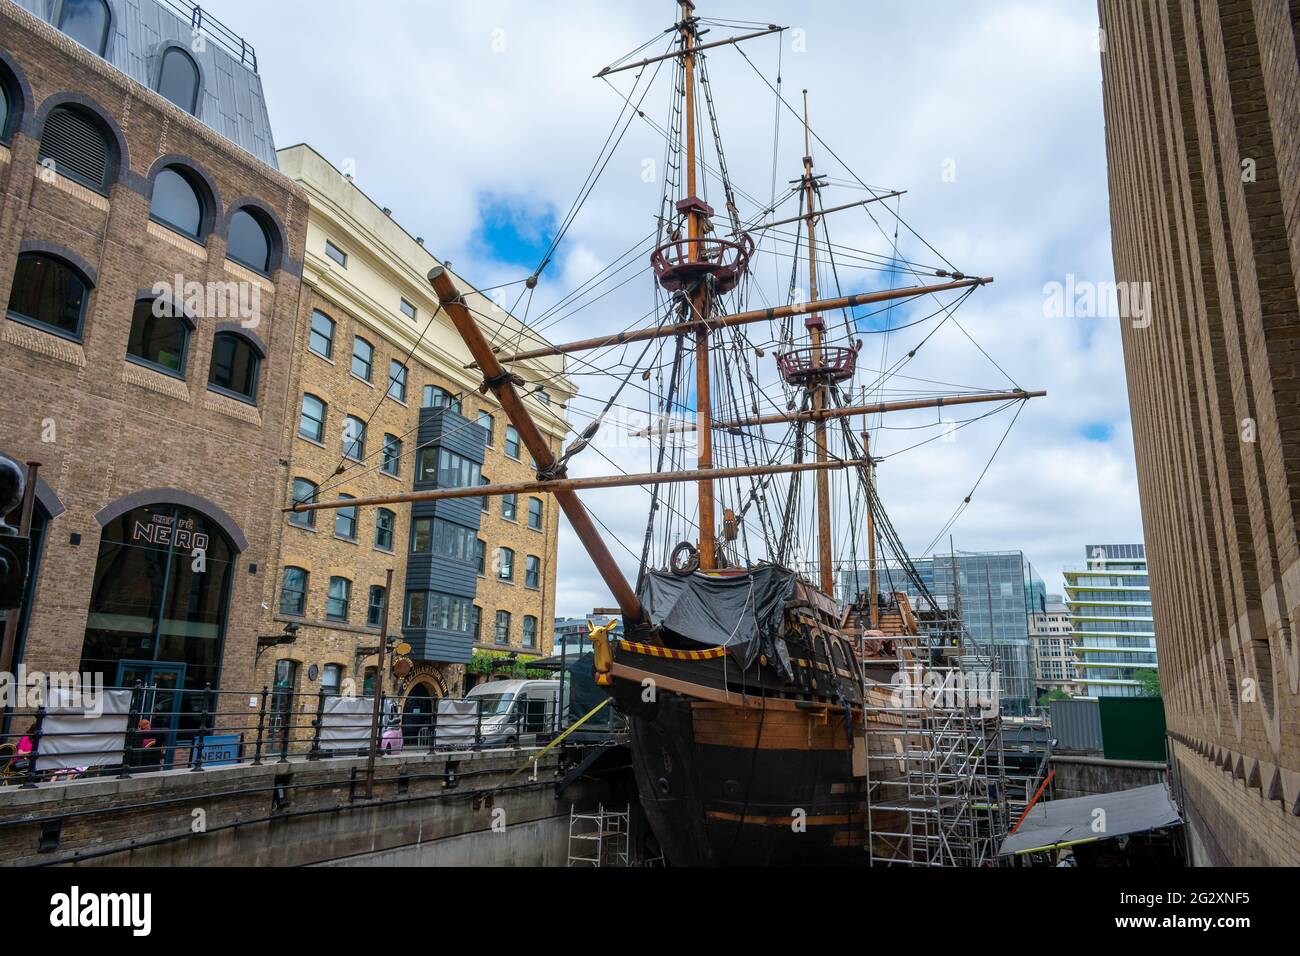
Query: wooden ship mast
point(699, 268)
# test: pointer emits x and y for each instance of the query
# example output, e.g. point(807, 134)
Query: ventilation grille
point(77, 149)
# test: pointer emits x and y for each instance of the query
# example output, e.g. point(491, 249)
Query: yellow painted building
point(376, 367)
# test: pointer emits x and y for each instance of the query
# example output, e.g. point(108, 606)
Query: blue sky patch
point(1097, 431)
point(513, 230)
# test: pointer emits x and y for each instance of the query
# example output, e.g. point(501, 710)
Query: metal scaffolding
point(935, 773)
point(600, 838)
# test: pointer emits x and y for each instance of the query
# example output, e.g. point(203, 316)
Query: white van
point(516, 711)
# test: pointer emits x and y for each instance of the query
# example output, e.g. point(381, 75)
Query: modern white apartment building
point(1110, 613)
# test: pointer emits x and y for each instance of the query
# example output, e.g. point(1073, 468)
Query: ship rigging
point(765, 417)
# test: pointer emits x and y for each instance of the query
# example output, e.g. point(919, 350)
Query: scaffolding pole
point(935, 775)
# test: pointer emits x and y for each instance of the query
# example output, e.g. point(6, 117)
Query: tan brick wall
point(323, 554)
point(1202, 112)
point(120, 429)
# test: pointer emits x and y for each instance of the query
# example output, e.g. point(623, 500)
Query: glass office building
point(1110, 611)
point(996, 591)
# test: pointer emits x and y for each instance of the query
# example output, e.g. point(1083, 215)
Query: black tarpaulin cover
point(739, 613)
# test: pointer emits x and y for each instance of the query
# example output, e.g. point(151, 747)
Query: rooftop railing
point(206, 25)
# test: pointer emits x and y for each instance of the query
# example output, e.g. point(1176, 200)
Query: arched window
point(77, 147)
point(363, 359)
point(397, 374)
point(178, 80)
point(385, 522)
point(235, 364)
point(293, 592)
point(249, 242)
point(50, 293)
point(86, 21)
point(304, 492)
point(354, 438)
point(311, 424)
point(6, 110)
point(160, 334)
point(375, 608)
point(159, 600)
point(392, 460)
point(345, 521)
point(321, 340)
point(177, 203)
point(339, 599)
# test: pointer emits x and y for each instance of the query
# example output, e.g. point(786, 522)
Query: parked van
point(516, 711)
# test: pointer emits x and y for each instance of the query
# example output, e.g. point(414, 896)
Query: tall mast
point(815, 325)
point(872, 583)
point(695, 210)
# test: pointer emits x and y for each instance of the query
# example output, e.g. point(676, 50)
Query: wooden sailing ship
point(749, 688)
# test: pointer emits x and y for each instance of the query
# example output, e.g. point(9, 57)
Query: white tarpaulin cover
point(456, 722)
point(70, 738)
point(1056, 822)
point(345, 723)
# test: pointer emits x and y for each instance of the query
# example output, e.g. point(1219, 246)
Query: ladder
point(600, 838)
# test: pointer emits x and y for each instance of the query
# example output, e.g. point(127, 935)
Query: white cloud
point(435, 114)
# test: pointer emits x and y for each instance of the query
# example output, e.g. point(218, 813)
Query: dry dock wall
point(426, 810)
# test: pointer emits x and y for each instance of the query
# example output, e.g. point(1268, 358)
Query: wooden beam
point(610, 70)
point(851, 410)
point(502, 383)
point(758, 227)
point(558, 486)
point(741, 318)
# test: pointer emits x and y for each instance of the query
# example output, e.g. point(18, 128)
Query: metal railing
point(168, 729)
point(205, 24)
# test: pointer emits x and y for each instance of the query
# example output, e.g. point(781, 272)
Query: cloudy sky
point(477, 123)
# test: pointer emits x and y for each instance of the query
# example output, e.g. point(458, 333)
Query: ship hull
point(756, 754)
point(732, 786)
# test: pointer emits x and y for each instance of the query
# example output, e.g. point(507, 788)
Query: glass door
point(158, 707)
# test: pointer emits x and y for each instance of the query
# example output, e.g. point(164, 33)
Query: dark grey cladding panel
point(444, 428)
point(466, 512)
point(447, 429)
point(462, 511)
point(426, 572)
point(232, 102)
point(439, 646)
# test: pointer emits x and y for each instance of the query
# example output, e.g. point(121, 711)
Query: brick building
point(1202, 105)
point(150, 259)
point(383, 405)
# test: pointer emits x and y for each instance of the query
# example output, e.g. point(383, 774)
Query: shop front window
point(161, 593)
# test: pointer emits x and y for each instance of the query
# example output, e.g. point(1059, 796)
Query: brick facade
point(382, 272)
point(106, 429)
point(324, 554)
point(1202, 104)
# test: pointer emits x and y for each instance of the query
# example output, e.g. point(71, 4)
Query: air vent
point(77, 148)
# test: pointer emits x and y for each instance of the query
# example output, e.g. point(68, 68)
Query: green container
point(1133, 728)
